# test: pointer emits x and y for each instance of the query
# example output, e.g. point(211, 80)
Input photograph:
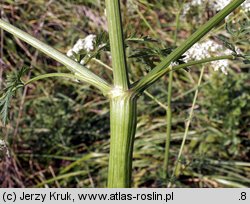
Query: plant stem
point(123, 126)
point(102, 63)
point(64, 75)
point(161, 70)
point(169, 111)
point(117, 44)
point(147, 93)
point(122, 105)
point(169, 125)
point(156, 100)
point(188, 64)
point(177, 164)
point(86, 74)
point(191, 90)
point(198, 62)
point(146, 22)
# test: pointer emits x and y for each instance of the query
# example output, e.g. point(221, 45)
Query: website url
point(118, 196)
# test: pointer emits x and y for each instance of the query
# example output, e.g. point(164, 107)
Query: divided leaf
point(151, 56)
point(227, 43)
point(14, 82)
point(240, 35)
point(4, 106)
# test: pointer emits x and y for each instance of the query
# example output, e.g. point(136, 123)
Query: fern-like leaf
point(4, 106)
point(239, 33)
point(14, 82)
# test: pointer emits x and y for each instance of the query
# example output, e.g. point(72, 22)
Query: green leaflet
point(4, 105)
point(238, 36)
point(14, 82)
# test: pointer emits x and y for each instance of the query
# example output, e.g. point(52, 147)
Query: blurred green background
point(58, 135)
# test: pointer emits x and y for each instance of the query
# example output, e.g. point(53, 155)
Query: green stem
point(188, 64)
point(102, 63)
point(178, 162)
point(147, 93)
point(117, 44)
point(169, 111)
point(64, 75)
point(123, 125)
point(190, 91)
point(75, 67)
point(161, 70)
point(146, 22)
point(198, 62)
point(169, 124)
point(156, 100)
point(177, 20)
point(122, 105)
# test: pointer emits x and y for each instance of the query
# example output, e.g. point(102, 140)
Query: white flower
point(220, 4)
point(220, 65)
point(86, 44)
point(208, 49)
point(246, 6)
point(197, 2)
point(194, 3)
point(78, 46)
point(215, 5)
point(70, 53)
point(185, 9)
point(89, 42)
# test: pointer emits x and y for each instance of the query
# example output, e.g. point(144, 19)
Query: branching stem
point(161, 70)
point(75, 67)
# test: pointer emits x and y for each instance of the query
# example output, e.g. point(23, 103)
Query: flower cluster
point(219, 4)
point(209, 49)
point(214, 5)
point(85, 44)
point(246, 6)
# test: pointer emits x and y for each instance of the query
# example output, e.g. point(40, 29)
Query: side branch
point(73, 66)
point(161, 70)
point(170, 68)
point(63, 75)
